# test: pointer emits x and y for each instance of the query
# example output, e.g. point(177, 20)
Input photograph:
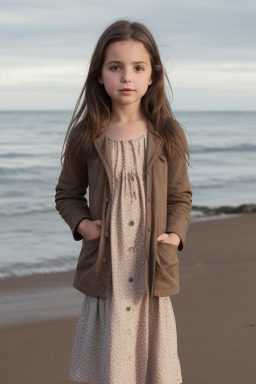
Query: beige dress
point(127, 337)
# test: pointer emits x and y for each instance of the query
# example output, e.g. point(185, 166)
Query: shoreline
point(40, 291)
point(199, 214)
point(63, 278)
point(225, 209)
point(214, 312)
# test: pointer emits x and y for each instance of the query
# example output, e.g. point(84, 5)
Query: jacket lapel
point(154, 145)
point(102, 147)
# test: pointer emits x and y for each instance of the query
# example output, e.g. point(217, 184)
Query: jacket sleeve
point(70, 198)
point(179, 197)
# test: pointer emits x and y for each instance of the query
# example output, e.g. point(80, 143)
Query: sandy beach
point(215, 312)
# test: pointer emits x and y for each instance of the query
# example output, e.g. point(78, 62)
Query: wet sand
point(215, 312)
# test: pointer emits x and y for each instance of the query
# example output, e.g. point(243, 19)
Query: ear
point(150, 81)
point(100, 80)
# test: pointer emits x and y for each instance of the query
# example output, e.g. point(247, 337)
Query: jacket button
point(130, 279)
point(107, 233)
point(131, 223)
point(104, 259)
point(128, 308)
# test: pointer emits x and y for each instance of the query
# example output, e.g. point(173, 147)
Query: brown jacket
point(168, 207)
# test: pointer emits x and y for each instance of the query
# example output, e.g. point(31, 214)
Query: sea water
point(33, 236)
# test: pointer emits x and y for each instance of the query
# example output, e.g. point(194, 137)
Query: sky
point(207, 47)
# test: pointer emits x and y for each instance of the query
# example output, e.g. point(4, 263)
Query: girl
point(133, 155)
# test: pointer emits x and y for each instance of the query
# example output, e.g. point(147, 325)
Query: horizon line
point(174, 110)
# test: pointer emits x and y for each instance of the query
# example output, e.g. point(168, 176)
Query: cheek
point(144, 83)
point(110, 76)
point(110, 81)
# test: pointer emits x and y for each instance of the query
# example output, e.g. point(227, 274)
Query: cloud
point(46, 45)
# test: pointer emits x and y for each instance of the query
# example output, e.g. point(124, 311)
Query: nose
point(126, 76)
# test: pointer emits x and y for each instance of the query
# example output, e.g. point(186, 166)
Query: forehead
point(127, 50)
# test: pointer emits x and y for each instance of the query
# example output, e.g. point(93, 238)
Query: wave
point(11, 155)
point(63, 264)
point(223, 183)
point(27, 212)
point(235, 148)
point(28, 170)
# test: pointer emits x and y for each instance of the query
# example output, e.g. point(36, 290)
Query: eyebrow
point(120, 62)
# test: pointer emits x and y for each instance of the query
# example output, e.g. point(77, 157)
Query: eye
point(139, 68)
point(114, 67)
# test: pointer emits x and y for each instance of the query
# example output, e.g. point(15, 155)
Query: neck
point(126, 122)
point(126, 113)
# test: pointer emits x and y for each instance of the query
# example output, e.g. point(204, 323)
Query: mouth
point(126, 91)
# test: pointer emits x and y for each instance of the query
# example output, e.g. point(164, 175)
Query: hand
point(171, 238)
point(89, 229)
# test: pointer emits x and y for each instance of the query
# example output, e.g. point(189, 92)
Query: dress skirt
point(127, 337)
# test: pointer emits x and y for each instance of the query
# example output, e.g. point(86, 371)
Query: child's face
point(126, 65)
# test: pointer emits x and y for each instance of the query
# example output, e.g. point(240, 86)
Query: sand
point(215, 312)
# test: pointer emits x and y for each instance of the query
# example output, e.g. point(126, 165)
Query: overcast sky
point(208, 48)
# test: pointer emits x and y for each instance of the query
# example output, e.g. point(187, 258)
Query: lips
point(126, 91)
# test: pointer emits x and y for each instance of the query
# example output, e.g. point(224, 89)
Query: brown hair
point(95, 109)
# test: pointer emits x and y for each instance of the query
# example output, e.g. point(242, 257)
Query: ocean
point(33, 236)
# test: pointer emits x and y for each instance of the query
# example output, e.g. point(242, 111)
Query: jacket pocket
point(88, 255)
point(90, 240)
point(166, 269)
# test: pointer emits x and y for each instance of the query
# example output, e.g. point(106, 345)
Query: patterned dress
point(127, 337)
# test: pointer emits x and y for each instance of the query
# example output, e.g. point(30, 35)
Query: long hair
point(95, 109)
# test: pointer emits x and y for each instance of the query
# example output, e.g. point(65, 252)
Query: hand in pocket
point(170, 238)
point(89, 229)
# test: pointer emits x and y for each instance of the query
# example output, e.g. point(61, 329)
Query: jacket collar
point(154, 145)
